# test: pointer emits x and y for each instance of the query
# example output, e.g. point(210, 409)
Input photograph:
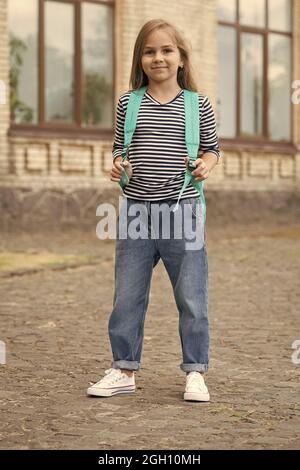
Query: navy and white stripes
point(158, 146)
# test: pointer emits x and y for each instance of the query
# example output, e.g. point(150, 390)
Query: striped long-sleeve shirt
point(158, 147)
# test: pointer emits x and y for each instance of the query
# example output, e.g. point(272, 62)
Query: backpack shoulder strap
point(192, 123)
point(192, 140)
point(132, 111)
point(133, 106)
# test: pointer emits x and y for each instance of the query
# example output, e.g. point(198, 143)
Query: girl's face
point(161, 57)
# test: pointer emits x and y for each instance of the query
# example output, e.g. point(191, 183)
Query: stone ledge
point(25, 209)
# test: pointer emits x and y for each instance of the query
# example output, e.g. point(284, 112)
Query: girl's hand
point(116, 171)
point(117, 168)
point(201, 171)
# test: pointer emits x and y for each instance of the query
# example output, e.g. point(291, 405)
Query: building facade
point(64, 63)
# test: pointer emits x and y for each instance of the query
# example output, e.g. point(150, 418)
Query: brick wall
point(58, 163)
point(296, 72)
point(296, 76)
point(4, 107)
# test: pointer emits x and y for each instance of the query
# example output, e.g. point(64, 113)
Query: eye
point(165, 50)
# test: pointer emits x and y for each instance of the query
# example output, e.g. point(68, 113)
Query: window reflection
point(251, 83)
point(227, 81)
point(253, 13)
point(59, 61)
point(23, 42)
point(97, 62)
point(279, 75)
point(227, 10)
point(280, 15)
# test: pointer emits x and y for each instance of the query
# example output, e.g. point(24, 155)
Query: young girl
point(157, 163)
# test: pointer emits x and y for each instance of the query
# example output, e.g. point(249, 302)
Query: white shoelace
point(111, 376)
point(195, 378)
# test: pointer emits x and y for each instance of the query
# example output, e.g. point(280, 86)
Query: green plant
point(17, 107)
point(96, 93)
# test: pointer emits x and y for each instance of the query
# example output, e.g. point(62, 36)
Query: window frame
point(62, 129)
point(264, 141)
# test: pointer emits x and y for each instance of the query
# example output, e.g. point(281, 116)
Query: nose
point(158, 57)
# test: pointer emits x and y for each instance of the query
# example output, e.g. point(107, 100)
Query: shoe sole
point(109, 393)
point(190, 396)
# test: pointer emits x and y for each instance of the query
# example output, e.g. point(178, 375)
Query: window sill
point(59, 132)
point(258, 145)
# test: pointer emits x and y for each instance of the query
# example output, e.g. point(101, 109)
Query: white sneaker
point(196, 389)
point(114, 382)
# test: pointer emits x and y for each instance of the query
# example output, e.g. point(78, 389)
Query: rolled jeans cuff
point(194, 367)
point(130, 365)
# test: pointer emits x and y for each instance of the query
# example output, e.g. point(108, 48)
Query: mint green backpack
point(192, 131)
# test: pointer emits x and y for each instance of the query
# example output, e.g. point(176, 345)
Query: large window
point(61, 65)
point(255, 69)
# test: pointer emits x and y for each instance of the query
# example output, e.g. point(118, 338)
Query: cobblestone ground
point(54, 324)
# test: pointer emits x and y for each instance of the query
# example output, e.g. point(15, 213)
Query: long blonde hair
point(185, 76)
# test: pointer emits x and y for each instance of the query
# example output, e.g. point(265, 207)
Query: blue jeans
point(187, 268)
